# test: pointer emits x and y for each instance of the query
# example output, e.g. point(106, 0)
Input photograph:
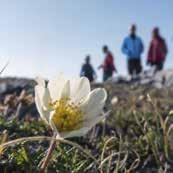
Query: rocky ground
point(17, 98)
point(16, 95)
point(140, 119)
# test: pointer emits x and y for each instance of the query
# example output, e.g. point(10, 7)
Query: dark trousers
point(90, 77)
point(107, 74)
point(134, 66)
point(158, 65)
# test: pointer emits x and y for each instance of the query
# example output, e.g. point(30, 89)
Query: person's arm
point(125, 47)
point(82, 71)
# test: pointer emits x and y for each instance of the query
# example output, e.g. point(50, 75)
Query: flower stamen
point(67, 116)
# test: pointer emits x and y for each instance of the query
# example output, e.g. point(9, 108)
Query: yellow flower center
point(67, 116)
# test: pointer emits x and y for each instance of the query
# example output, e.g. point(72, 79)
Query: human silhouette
point(157, 50)
point(108, 64)
point(133, 47)
point(87, 70)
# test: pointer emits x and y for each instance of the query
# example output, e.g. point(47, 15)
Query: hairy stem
point(47, 158)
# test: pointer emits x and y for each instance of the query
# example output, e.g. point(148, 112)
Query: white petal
point(56, 86)
point(79, 89)
point(40, 81)
point(65, 93)
point(85, 129)
point(94, 104)
point(39, 104)
point(95, 111)
point(75, 133)
point(93, 121)
point(46, 99)
point(44, 96)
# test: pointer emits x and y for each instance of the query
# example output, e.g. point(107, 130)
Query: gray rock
point(160, 79)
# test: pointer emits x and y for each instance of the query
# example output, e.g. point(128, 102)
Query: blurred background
point(45, 37)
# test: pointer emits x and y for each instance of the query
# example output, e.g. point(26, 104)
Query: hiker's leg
point(105, 76)
point(130, 67)
point(160, 66)
point(138, 66)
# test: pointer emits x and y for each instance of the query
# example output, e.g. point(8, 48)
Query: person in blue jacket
point(133, 47)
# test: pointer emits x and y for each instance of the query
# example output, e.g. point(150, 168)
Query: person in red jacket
point(108, 64)
point(157, 51)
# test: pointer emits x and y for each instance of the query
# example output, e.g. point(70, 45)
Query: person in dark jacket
point(87, 70)
point(133, 47)
point(157, 51)
point(108, 64)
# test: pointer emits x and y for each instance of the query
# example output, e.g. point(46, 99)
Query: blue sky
point(44, 37)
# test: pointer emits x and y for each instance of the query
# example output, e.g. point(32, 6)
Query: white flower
point(69, 106)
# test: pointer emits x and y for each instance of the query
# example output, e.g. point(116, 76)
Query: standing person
point(157, 51)
point(108, 64)
point(87, 70)
point(133, 47)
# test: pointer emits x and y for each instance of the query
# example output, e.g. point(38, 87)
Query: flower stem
point(43, 138)
point(50, 150)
